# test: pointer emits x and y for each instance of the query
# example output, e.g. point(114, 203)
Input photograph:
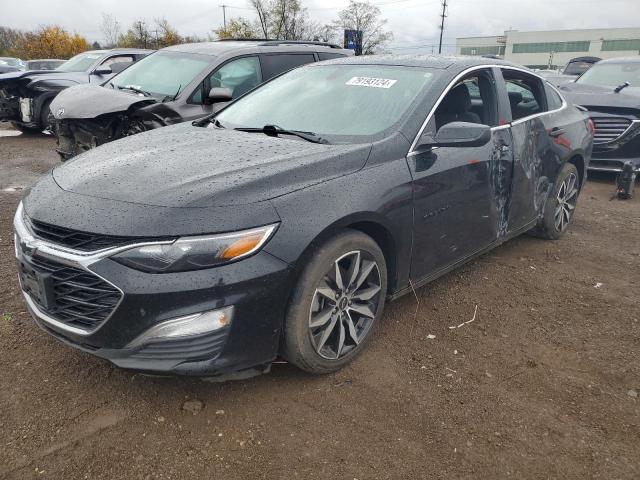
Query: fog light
point(188, 326)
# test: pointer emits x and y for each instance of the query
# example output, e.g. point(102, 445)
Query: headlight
point(195, 253)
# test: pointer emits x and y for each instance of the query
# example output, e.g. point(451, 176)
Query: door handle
point(556, 132)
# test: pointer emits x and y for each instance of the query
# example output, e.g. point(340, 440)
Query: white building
point(554, 48)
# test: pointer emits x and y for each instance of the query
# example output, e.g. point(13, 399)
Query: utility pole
point(443, 15)
point(224, 14)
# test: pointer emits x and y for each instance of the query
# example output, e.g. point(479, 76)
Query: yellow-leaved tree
point(50, 42)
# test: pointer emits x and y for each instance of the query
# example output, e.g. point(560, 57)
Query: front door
point(460, 193)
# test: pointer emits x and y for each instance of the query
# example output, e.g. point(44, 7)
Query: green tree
point(237, 28)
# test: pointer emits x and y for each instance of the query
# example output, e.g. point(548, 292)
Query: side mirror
point(458, 134)
point(219, 95)
point(103, 70)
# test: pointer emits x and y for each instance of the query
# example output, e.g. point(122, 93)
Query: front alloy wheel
point(336, 303)
point(345, 304)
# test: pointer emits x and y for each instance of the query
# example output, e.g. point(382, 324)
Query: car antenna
point(619, 88)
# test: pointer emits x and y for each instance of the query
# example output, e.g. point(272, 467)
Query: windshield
point(79, 63)
point(14, 62)
point(344, 103)
point(163, 73)
point(612, 75)
point(577, 68)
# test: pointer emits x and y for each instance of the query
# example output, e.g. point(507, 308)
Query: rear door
point(533, 132)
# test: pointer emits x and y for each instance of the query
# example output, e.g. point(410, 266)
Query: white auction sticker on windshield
point(371, 82)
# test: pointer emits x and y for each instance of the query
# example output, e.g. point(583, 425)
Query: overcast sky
point(413, 22)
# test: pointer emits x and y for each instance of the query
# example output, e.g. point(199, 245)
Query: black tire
point(548, 226)
point(45, 113)
point(300, 346)
point(24, 129)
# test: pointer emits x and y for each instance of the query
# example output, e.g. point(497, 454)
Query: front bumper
point(9, 108)
point(255, 289)
point(611, 156)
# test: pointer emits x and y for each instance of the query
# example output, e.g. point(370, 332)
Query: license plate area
point(37, 284)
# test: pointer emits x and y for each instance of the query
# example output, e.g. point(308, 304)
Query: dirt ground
point(542, 385)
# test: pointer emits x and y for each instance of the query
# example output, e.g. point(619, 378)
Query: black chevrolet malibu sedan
point(280, 226)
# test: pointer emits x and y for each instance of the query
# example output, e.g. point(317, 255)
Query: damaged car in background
point(280, 226)
point(25, 97)
point(610, 91)
point(176, 84)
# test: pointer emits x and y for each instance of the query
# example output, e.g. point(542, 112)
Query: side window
point(240, 76)
point(273, 65)
point(554, 100)
point(526, 94)
point(473, 100)
point(329, 56)
point(117, 59)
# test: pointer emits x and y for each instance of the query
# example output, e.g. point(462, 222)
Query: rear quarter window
point(273, 65)
point(554, 100)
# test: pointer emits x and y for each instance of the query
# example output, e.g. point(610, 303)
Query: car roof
point(427, 61)
point(47, 60)
point(220, 47)
point(621, 60)
point(125, 50)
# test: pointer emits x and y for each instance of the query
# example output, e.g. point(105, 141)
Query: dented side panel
point(459, 199)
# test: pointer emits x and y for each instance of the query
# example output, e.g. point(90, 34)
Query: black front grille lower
point(83, 241)
point(73, 296)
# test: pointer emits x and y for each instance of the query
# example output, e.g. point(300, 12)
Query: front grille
point(83, 241)
point(76, 297)
point(609, 129)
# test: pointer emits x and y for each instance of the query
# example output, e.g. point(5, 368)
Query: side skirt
point(433, 276)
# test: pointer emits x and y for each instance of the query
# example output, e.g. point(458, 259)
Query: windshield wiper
point(274, 131)
point(135, 89)
point(619, 88)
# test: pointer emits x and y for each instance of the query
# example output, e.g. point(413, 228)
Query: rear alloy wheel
point(567, 198)
point(560, 206)
point(338, 300)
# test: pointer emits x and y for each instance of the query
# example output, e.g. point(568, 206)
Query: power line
point(443, 15)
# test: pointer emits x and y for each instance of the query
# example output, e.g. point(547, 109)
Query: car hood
point(90, 101)
point(34, 77)
point(188, 166)
point(592, 95)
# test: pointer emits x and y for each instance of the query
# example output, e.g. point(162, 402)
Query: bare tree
point(110, 29)
point(264, 16)
point(365, 17)
point(138, 36)
point(283, 20)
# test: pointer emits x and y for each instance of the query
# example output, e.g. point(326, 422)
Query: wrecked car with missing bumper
point(281, 225)
point(176, 84)
point(25, 97)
